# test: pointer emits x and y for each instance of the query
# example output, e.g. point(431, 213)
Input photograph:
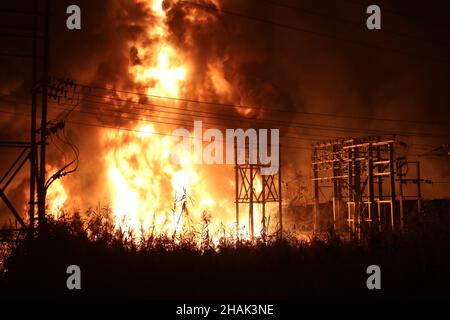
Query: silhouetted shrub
point(117, 263)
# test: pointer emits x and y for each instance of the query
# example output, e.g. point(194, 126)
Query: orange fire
point(56, 196)
point(147, 190)
point(150, 192)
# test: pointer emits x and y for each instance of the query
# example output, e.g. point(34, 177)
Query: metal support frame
point(402, 178)
point(316, 190)
point(252, 189)
point(359, 171)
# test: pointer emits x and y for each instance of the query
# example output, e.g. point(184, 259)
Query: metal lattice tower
point(363, 175)
point(247, 178)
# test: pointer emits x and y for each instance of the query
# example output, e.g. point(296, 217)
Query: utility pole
point(33, 151)
point(43, 141)
point(29, 148)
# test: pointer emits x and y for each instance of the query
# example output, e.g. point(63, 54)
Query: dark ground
point(414, 264)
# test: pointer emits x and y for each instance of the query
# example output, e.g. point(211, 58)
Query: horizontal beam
point(346, 142)
point(256, 201)
point(381, 162)
point(15, 144)
point(333, 143)
point(330, 178)
point(377, 174)
point(366, 144)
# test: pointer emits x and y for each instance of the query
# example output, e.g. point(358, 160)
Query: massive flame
point(148, 192)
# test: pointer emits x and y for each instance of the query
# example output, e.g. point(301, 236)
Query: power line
point(289, 146)
point(313, 32)
point(136, 130)
point(290, 124)
point(119, 112)
point(153, 121)
point(234, 119)
point(398, 13)
point(177, 121)
point(259, 109)
point(277, 122)
point(350, 22)
point(119, 115)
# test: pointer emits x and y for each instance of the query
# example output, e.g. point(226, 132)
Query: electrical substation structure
point(367, 182)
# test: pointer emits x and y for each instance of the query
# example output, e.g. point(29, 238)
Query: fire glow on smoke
point(146, 189)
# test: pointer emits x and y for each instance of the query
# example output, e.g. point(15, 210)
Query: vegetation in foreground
point(415, 263)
